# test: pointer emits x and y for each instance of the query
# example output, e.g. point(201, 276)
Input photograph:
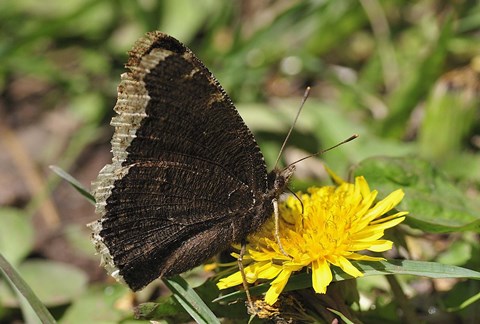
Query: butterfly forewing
point(186, 175)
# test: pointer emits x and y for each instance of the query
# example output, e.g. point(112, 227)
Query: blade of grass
point(71, 180)
point(465, 304)
point(343, 317)
point(389, 267)
point(190, 301)
point(17, 281)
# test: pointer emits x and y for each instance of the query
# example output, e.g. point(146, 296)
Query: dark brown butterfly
point(187, 178)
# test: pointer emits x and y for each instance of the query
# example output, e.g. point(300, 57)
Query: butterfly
point(187, 178)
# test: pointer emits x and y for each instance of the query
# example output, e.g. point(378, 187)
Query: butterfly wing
point(186, 173)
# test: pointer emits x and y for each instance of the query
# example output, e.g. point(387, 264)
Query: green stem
point(402, 301)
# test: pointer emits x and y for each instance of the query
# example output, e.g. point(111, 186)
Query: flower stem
point(402, 301)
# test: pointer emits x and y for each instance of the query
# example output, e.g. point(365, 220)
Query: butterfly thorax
point(277, 182)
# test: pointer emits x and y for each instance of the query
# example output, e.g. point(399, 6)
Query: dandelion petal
point(321, 276)
point(348, 267)
point(276, 287)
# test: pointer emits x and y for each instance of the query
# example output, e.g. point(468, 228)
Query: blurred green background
point(404, 75)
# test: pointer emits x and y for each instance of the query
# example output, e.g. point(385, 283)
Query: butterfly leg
point(244, 277)
point(277, 226)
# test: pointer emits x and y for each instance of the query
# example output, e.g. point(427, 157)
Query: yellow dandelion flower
point(337, 222)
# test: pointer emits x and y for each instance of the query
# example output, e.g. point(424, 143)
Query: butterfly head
point(278, 179)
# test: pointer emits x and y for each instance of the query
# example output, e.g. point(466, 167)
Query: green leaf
point(458, 253)
point(399, 267)
point(416, 268)
point(418, 80)
point(470, 170)
point(165, 308)
point(447, 103)
point(433, 202)
point(71, 180)
point(54, 283)
point(97, 305)
point(191, 302)
point(16, 234)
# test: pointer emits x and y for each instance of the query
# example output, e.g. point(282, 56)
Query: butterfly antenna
point(305, 96)
point(351, 138)
point(298, 198)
